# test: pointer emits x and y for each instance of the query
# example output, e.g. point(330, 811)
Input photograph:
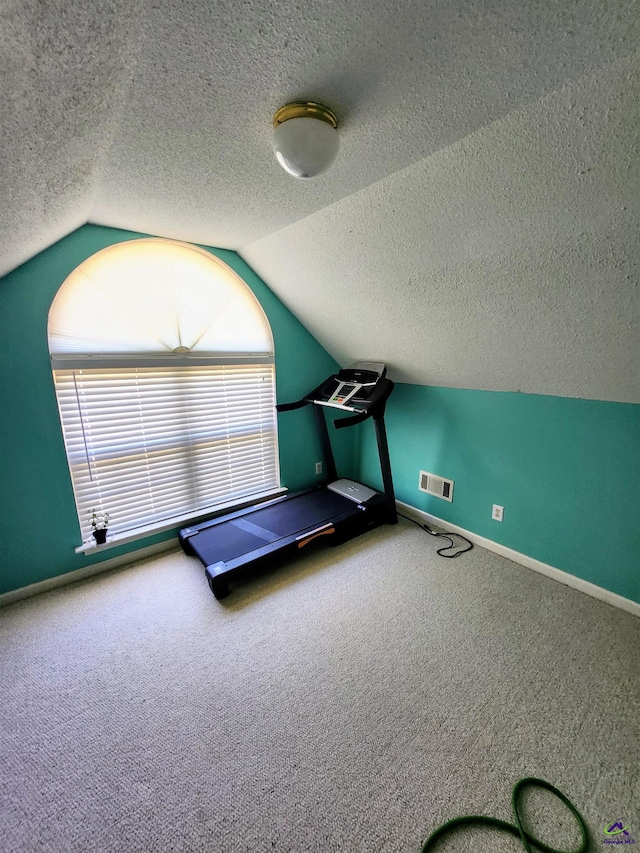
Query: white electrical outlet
point(498, 512)
point(318, 467)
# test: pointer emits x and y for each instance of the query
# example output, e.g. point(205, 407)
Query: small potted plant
point(99, 525)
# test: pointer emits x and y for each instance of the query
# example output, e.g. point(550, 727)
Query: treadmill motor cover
point(354, 491)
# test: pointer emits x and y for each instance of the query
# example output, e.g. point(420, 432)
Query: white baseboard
point(544, 569)
point(87, 572)
point(405, 509)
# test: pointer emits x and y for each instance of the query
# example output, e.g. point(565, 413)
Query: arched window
point(163, 368)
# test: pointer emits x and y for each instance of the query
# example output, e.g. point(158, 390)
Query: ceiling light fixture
point(305, 139)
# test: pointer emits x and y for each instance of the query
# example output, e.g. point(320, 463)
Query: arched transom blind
point(163, 366)
point(155, 296)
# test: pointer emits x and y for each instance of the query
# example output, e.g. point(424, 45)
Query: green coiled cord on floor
point(516, 829)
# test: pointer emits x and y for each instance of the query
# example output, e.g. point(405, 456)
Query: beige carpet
point(351, 701)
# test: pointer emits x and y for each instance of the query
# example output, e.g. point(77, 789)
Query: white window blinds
point(162, 360)
point(148, 444)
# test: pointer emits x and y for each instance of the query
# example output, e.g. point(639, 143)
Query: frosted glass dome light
point(305, 138)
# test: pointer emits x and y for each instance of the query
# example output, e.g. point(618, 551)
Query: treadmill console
point(354, 389)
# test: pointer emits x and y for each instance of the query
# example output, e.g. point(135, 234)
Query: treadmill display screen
point(343, 393)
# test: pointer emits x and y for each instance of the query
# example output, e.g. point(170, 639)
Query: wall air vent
point(440, 487)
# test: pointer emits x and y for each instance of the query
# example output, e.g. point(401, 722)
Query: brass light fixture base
point(310, 109)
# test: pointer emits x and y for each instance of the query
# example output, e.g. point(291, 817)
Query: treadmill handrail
point(340, 406)
point(341, 423)
point(352, 421)
point(289, 407)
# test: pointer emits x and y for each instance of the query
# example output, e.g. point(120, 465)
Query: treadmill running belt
point(299, 513)
point(222, 543)
point(225, 542)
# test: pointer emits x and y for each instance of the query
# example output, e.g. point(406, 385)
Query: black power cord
point(444, 536)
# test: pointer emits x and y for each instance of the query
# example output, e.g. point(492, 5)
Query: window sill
point(168, 524)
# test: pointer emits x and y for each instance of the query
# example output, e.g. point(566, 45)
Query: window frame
point(65, 361)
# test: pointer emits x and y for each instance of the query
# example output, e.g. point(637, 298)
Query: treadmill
point(333, 512)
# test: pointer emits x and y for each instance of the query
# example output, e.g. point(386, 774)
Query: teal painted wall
point(567, 472)
point(38, 523)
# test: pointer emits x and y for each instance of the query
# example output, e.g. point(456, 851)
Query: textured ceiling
point(507, 261)
point(478, 225)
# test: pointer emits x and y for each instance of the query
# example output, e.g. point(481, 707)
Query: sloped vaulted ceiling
point(479, 228)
